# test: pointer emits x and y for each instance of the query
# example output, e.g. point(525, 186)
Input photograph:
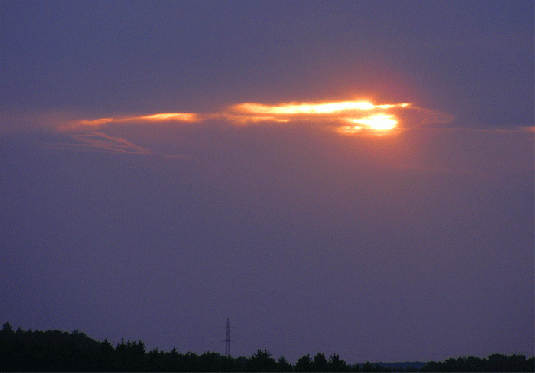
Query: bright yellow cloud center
point(380, 122)
point(364, 115)
point(304, 108)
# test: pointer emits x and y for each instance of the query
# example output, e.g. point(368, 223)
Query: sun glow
point(361, 115)
point(380, 122)
point(304, 108)
point(357, 117)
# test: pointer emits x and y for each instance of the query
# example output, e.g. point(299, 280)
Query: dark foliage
point(59, 351)
point(494, 363)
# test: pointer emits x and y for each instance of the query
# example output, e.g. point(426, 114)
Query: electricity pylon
point(227, 340)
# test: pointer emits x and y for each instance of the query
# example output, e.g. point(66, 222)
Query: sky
point(350, 177)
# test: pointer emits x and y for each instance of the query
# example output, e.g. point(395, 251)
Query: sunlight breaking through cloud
point(364, 113)
point(346, 117)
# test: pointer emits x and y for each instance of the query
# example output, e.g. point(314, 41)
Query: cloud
point(152, 118)
point(349, 116)
point(352, 117)
point(101, 141)
point(359, 114)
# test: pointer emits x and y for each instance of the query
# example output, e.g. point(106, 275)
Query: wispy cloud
point(358, 115)
point(353, 117)
point(101, 141)
point(348, 116)
point(152, 118)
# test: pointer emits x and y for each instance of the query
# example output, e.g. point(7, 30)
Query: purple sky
point(414, 244)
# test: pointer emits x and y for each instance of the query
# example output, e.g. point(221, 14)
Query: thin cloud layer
point(153, 118)
point(101, 141)
point(348, 117)
point(362, 113)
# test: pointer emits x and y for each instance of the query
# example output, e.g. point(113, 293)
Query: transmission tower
point(227, 339)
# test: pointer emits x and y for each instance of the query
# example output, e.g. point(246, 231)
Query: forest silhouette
point(54, 350)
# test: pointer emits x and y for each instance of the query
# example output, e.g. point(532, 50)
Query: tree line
point(58, 351)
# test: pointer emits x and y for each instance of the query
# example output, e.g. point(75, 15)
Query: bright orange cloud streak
point(160, 117)
point(312, 108)
point(360, 114)
point(181, 117)
point(304, 108)
point(363, 113)
point(345, 117)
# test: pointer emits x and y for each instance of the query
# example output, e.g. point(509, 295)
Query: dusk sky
point(350, 177)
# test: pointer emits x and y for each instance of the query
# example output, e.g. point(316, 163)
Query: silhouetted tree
point(304, 364)
point(7, 327)
point(283, 365)
point(262, 361)
point(319, 363)
point(130, 355)
point(369, 367)
point(494, 363)
point(210, 361)
point(337, 365)
point(54, 350)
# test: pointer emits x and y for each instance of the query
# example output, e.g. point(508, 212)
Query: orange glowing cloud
point(345, 117)
point(312, 108)
point(160, 117)
point(359, 114)
point(377, 122)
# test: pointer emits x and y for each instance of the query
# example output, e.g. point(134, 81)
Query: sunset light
point(362, 114)
point(304, 108)
point(373, 117)
point(159, 117)
point(350, 184)
point(380, 122)
point(182, 117)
